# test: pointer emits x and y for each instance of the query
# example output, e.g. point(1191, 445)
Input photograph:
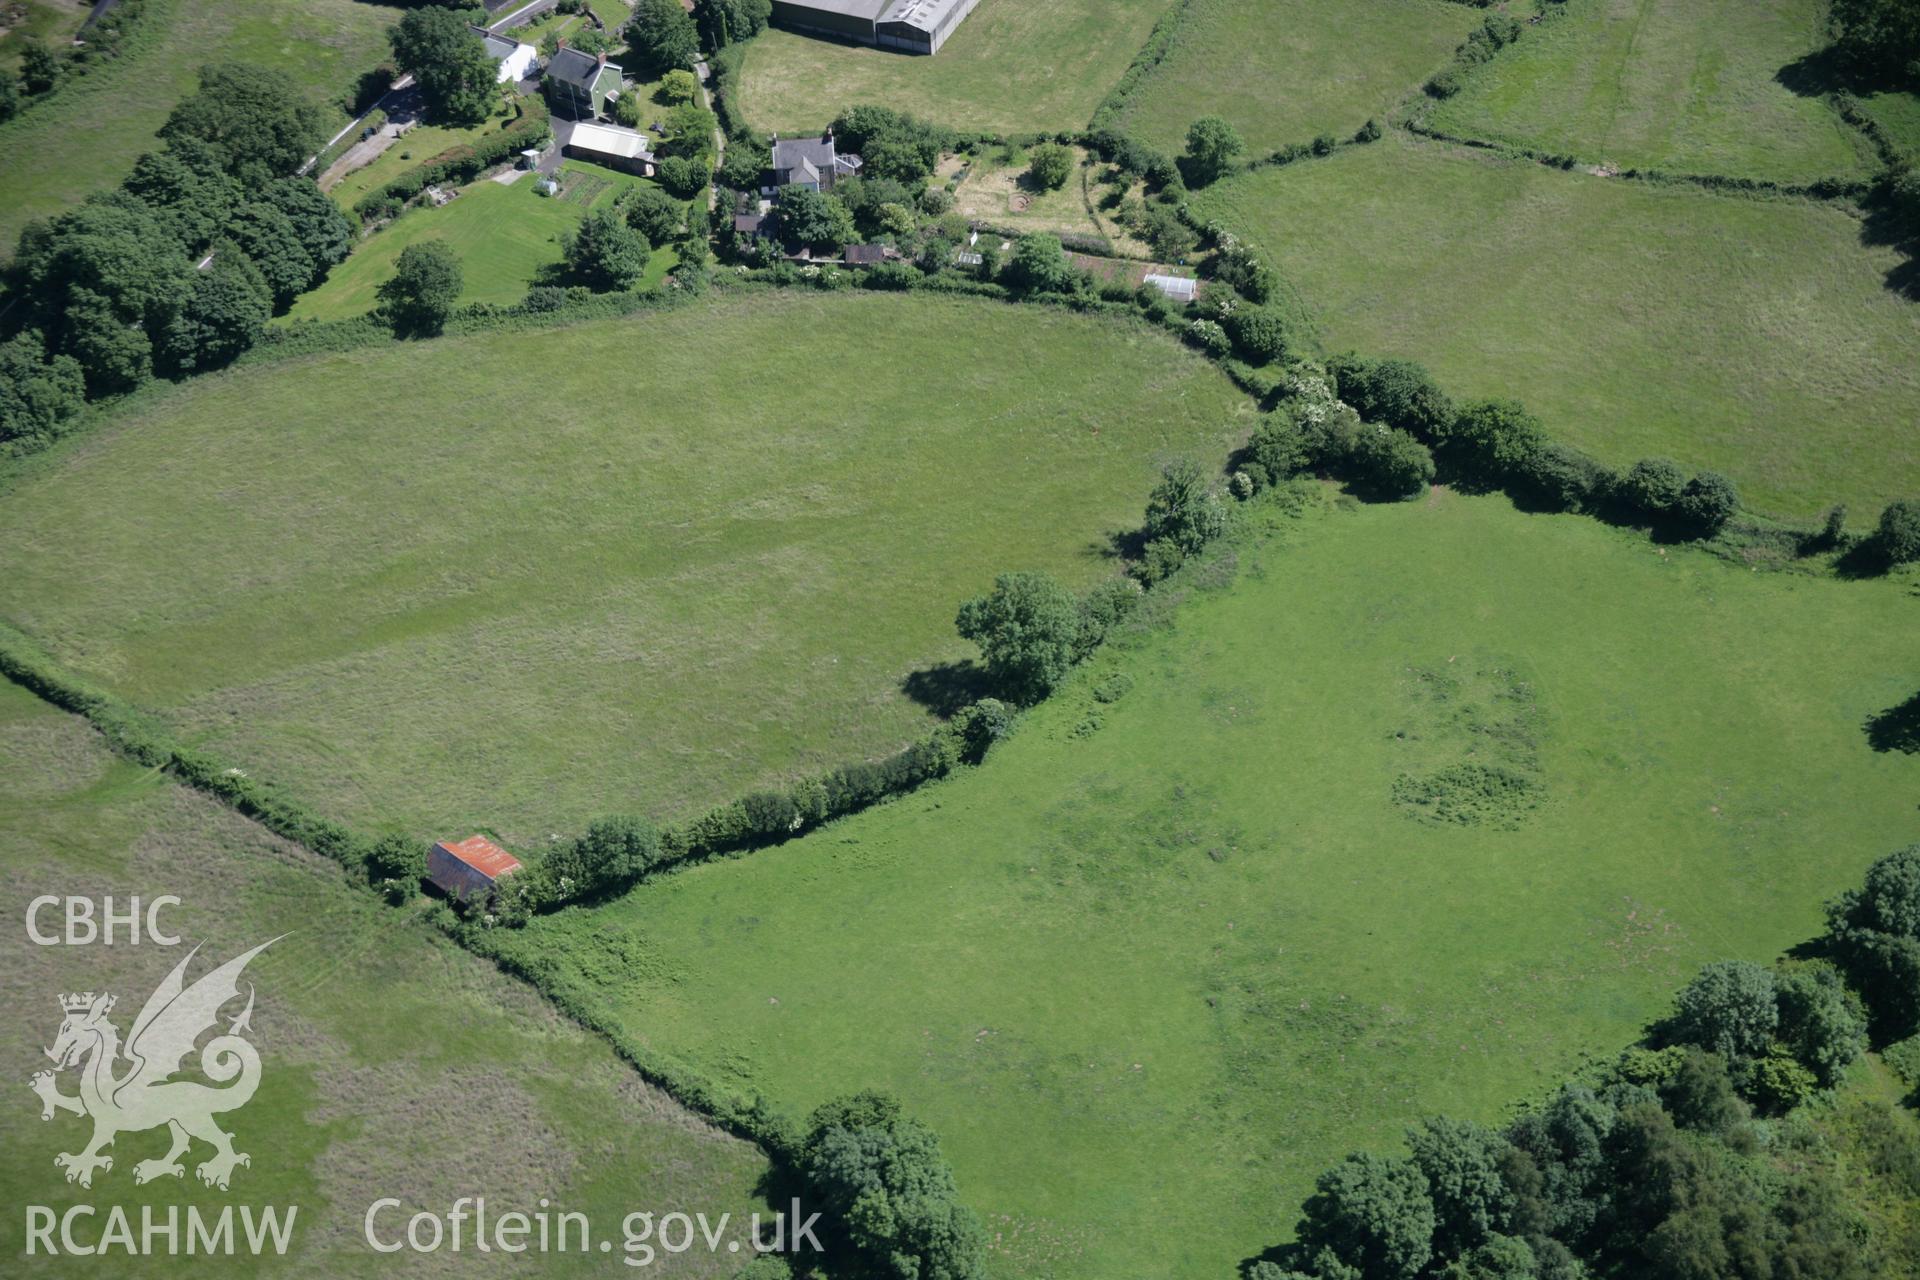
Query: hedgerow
point(142, 738)
point(1161, 44)
point(461, 163)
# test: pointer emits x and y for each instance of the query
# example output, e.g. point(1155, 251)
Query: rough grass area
point(1176, 947)
point(521, 580)
point(1685, 86)
point(1012, 66)
point(503, 234)
point(54, 21)
point(1755, 336)
point(393, 1064)
point(88, 138)
point(1285, 71)
point(1898, 115)
point(995, 190)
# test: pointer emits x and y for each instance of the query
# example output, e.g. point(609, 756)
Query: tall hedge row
point(461, 163)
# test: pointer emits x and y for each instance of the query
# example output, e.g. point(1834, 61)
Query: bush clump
point(1897, 536)
point(1028, 629)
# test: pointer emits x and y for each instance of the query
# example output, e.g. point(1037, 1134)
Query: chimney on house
point(827, 136)
point(602, 58)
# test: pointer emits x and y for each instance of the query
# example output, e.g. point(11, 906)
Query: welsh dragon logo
point(142, 1096)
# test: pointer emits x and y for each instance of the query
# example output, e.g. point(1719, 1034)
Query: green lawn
point(1687, 86)
point(1286, 71)
point(523, 579)
point(1755, 336)
point(503, 235)
point(88, 138)
point(393, 1064)
point(1012, 65)
point(413, 148)
point(1163, 958)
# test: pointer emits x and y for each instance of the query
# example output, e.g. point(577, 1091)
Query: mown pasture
point(519, 580)
point(1685, 86)
point(1756, 336)
point(393, 1064)
point(1011, 66)
point(505, 236)
point(88, 137)
point(1286, 71)
point(1191, 934)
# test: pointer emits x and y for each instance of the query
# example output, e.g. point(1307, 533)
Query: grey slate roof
point(795, 153)
point(570, 66)
point(499, 48)
point(806, 159)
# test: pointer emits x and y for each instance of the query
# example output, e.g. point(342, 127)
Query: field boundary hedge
point(140, 737)
point(1724, 184)
point(1471, 58)
point(1161, 43)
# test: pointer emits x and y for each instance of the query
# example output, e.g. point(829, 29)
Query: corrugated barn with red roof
point(470, 866)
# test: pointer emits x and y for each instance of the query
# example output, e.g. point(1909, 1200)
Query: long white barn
point(914, 26)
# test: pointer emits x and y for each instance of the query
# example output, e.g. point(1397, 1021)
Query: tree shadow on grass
point(1897, 728)
point(946, 687)
point(1828, 71)
point(1864, 559)
point(1816, 74)
point(1886, 225)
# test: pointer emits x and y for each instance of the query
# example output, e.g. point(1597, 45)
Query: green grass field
point(393, 1064)
point(1754, 336)
point(503, 235)
point(1166, 956)
point(1012, 65)
point(88, 138)
point(520, 580)
point(1286, 71)
point(1687, 86)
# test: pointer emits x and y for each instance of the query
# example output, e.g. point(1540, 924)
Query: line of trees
point(1388, 426)
point(1659, 1165)
point(178, 270)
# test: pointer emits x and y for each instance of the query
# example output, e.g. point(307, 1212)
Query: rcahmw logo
point(128, 1086)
